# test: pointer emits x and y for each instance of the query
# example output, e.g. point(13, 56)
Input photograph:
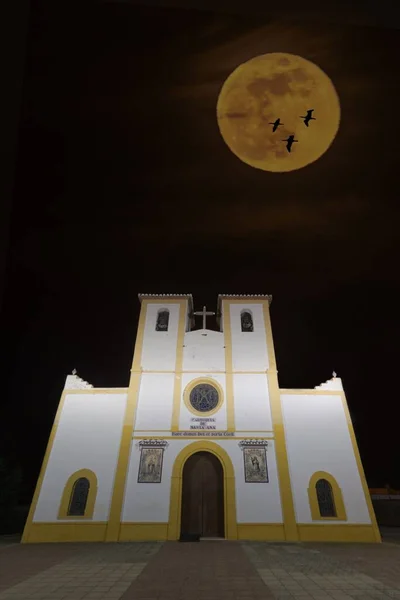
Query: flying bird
point(290, 140)
point(308, 117)
point(275, 124)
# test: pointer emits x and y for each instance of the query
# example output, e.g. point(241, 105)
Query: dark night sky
point(124, 185)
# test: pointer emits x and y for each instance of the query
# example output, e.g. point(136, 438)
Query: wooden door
point(203, 496)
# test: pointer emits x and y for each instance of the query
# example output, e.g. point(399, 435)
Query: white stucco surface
point(318, 439)
point(255, 503)
point(154, 408)
point(159, 347)
point(249, 349)
point(88, 437)
point(251, 401)
point(149, 502)
point(204, 351)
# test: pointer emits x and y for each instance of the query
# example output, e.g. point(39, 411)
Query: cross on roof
point(205, 313)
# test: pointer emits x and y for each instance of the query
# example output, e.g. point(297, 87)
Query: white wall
point(149, 502)
point(155, 401)
point(249, 349)
point(88, 437)
point(318, 439)
point(204, 351)
point(251, 401)
point(159, 347)
point(185, 414)
point(255, 502)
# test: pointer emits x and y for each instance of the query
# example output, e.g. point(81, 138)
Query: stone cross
point(205, 314)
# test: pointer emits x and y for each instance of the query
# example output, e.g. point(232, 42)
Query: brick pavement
point(383, 566)
point(19, 562)
point(216, 570)
point(71, 571)
point(199, 571)
point(326, 571)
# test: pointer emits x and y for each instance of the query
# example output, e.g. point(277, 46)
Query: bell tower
point(163, 321)
point(243, 320)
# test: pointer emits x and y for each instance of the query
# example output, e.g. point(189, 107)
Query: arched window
point(246, 320)
point(326, 503)
point(162, 320)
point(79, 497)
point(325, 497)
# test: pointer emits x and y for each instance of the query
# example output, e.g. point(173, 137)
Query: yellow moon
point(275, 86)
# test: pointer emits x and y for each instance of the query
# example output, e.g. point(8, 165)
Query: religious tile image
point(255, 465)
point(150, 467)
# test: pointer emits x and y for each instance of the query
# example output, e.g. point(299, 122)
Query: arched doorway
point(203, 496)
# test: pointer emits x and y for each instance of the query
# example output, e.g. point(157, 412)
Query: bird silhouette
point(308, 117)
point(275, 124)
point(290, 140)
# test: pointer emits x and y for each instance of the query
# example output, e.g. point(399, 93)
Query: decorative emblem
point(204, 397)
point(151, 460)
point(255, 460)
point(253, 443)
point(154, 443)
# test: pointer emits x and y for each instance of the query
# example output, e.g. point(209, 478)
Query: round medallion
point(204, 397)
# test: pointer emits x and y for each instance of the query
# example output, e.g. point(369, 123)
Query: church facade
point(202, 443)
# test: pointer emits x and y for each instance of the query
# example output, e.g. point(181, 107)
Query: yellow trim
point(289, 516)
point(209, 372)
point(67, 494)
point(95, 532)
point(192, 384)
point(139, 532)
point(311, 392)
point(174, 524)
point(176, 406)
point(230, 403)
point(322, 532)
point(67, 532)
point(114, 520)
point(29, 521)
point(123, 460)
point(337, 498)
point(249, 431)
point(263, 532)
point(375, 528)
point(191, 437)
point(151, 431)
point(98, 391)
point(115, 517)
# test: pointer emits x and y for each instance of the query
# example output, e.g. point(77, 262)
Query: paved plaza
point(210, 570)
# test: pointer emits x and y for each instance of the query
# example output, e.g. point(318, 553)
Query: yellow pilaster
point(115, 517)
point(289, 516)
point(176, 407)
point(230, 406)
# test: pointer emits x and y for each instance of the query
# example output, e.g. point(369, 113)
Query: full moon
point(278, 86)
